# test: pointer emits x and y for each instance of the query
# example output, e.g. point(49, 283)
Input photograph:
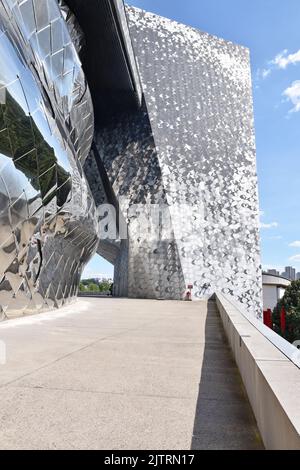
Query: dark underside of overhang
point(109, 64)
point(106, 62)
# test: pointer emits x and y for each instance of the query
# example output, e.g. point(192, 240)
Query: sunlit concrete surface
point(122, 374)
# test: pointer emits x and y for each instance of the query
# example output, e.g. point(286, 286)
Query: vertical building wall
point(197, 91)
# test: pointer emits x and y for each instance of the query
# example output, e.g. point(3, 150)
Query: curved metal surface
point(48, 219)
point(74, 28)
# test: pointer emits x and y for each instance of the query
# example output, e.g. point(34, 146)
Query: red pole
point(270, 325)
point(268, 318)
point(283, 320)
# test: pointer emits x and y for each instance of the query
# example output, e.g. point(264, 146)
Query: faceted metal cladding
point(174, 135)
point(48, 220)
point(198, 95)
point(191, 149)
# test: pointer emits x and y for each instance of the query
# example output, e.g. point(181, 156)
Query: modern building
point(273, 272)
point(273, 289)
point(289, 273)
point(131, 135)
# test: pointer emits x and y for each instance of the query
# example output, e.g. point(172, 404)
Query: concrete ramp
point(122, 374)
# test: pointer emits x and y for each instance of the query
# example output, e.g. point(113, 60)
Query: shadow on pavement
point(224, 418)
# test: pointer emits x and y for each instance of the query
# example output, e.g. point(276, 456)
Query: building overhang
point(108, 58)
point(275, 281)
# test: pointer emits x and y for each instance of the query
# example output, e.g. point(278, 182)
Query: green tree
point(87, 282)
point(104, 286)
point(32, 155)
point(82, 287)
point(291, 302)
point(92, 287)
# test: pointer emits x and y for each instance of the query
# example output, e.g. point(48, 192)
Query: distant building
point(298, 276)
point(289, 273)
point(273, 272)
point(273, 289)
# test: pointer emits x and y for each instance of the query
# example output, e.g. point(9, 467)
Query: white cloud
point(90, 274)
point(283, 59)
point(265, 73)
point(295, 259)
point(267, 226)
point(293, 94)
point(262, 74)
point(295, 244)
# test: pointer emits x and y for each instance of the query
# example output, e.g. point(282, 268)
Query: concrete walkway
point(122, 374)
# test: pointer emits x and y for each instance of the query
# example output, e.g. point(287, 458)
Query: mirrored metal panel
point(48, 221)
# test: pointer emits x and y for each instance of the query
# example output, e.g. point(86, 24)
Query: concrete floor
point(122, 374)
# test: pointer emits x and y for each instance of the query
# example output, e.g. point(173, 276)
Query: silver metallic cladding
point(198, 94)
point(48, 220)
point(190, 146)
point(197, 150)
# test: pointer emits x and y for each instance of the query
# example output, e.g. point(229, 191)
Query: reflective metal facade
point(190, 148)
point(173, 128)
point(48, 218)
point(198, 96)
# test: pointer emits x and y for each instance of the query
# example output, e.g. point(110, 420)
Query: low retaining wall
point(269, 367)
point(93, 294)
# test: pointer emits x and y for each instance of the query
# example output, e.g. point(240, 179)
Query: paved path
point(122, 374)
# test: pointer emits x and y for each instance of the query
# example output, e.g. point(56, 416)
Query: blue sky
point(271, 29)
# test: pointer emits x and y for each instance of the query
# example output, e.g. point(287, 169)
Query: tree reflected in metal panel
point(48, 220)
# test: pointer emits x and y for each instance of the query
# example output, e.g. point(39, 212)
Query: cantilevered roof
point(108, 58)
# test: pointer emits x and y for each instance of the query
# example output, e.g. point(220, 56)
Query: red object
point(188, 296)
point(283, 320)
point(268, 318)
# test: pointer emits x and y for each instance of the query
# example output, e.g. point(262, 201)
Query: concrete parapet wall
point(271, 377)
